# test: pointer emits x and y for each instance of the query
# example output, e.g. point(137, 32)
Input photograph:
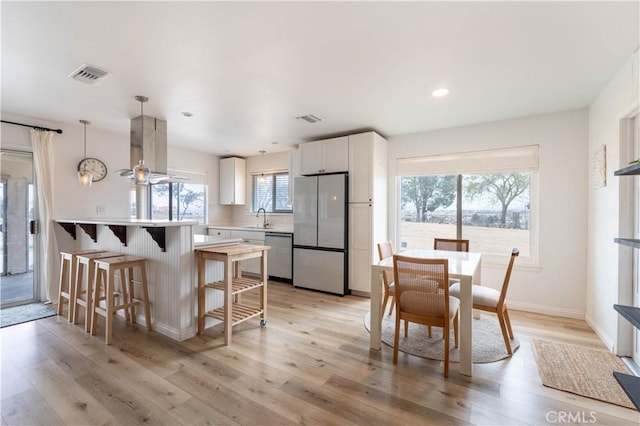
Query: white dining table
point(465, 266)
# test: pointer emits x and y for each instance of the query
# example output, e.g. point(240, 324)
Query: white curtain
point(42, 143)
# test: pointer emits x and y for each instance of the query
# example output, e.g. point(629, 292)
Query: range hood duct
point(149, 143)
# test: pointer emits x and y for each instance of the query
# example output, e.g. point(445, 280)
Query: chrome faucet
point(265, 223)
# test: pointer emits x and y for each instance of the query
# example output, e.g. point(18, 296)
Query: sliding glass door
point(17, 200)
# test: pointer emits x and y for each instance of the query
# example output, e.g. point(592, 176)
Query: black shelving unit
point(630, 384)
point(631, 170)
point(631, 242)
point(629, 313)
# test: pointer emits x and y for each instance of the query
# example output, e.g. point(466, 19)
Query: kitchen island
point(171, 263)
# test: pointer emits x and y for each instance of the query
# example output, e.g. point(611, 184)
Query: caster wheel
point(263, 322)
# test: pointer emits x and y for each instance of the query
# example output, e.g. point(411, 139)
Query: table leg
point(228, 300)
point(265, 278)
point(374, 312)
point(201, 293)
point(466, 313)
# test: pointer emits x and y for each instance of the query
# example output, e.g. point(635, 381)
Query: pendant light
point(85, 178)
point(262, 179)
point(141, 173)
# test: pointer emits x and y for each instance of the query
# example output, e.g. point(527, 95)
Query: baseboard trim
point(604, 337)
point(171, 332)
point(546, 310)
point(360, 293)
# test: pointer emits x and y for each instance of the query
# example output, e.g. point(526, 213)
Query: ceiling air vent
point(310, 118)
point(88, 74)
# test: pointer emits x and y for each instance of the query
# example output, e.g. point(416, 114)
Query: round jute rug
point(488, 345)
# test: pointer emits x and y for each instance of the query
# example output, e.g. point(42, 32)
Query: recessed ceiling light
point(440, 92)
point(274, 143)
point(187, 114)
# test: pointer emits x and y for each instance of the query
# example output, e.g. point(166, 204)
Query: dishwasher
point(279, 258)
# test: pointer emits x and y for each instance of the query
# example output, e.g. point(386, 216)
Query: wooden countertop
point(233, 249)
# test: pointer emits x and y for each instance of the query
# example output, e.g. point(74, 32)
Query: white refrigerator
point(320, 240)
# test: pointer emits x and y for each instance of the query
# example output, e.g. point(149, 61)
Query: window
point(271, 192)
point(490, 200)
point(177, 200)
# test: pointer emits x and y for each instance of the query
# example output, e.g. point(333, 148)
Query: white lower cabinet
point(221, 233)
point(360, 247)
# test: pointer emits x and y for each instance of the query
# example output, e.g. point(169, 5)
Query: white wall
point(607, 262)
point(74, 201)
point(558, 284)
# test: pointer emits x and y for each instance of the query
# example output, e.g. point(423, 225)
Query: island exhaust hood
point(148, 142)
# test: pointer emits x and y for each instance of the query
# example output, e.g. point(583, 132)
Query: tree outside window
point(495, 211)
point(188, 201)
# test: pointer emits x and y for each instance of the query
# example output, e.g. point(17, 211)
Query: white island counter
point(171, 266)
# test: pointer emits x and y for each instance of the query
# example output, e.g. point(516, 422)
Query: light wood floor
point(310, 365)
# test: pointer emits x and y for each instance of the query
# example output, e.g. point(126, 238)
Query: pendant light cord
point(85, 140)
point(84, 123)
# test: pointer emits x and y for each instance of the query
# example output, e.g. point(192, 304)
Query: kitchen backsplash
point(241, 216)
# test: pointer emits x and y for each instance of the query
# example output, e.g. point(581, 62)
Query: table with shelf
point(232, 285)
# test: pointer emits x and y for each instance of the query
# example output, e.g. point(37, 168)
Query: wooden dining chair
point(385, 250)
point(490, 300)
point(450, 244)
point(422, 297)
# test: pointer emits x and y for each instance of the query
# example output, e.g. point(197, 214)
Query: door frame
point(36, 238)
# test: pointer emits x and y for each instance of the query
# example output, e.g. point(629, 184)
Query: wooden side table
point(233, 284)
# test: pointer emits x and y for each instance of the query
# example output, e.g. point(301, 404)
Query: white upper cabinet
point(367, 167)
point(325, 156)
point(232, 181)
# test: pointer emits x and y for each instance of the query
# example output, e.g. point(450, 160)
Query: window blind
point(504, 160)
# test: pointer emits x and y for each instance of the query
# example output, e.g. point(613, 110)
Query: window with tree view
point(492, 210)
point(185, 201)
point(271, 192)
point(495, 211)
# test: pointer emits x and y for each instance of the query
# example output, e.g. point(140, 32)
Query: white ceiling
point(246, 70)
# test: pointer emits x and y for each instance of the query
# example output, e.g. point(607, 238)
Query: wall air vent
point(88, 74)
point(310, 118)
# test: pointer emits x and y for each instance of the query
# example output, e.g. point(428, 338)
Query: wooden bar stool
point(66, 285)
point(86, 260)
point(104, 280)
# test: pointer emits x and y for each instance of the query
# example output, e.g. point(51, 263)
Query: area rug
point(24, 313)
point(580, 370)
point(488, 344)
